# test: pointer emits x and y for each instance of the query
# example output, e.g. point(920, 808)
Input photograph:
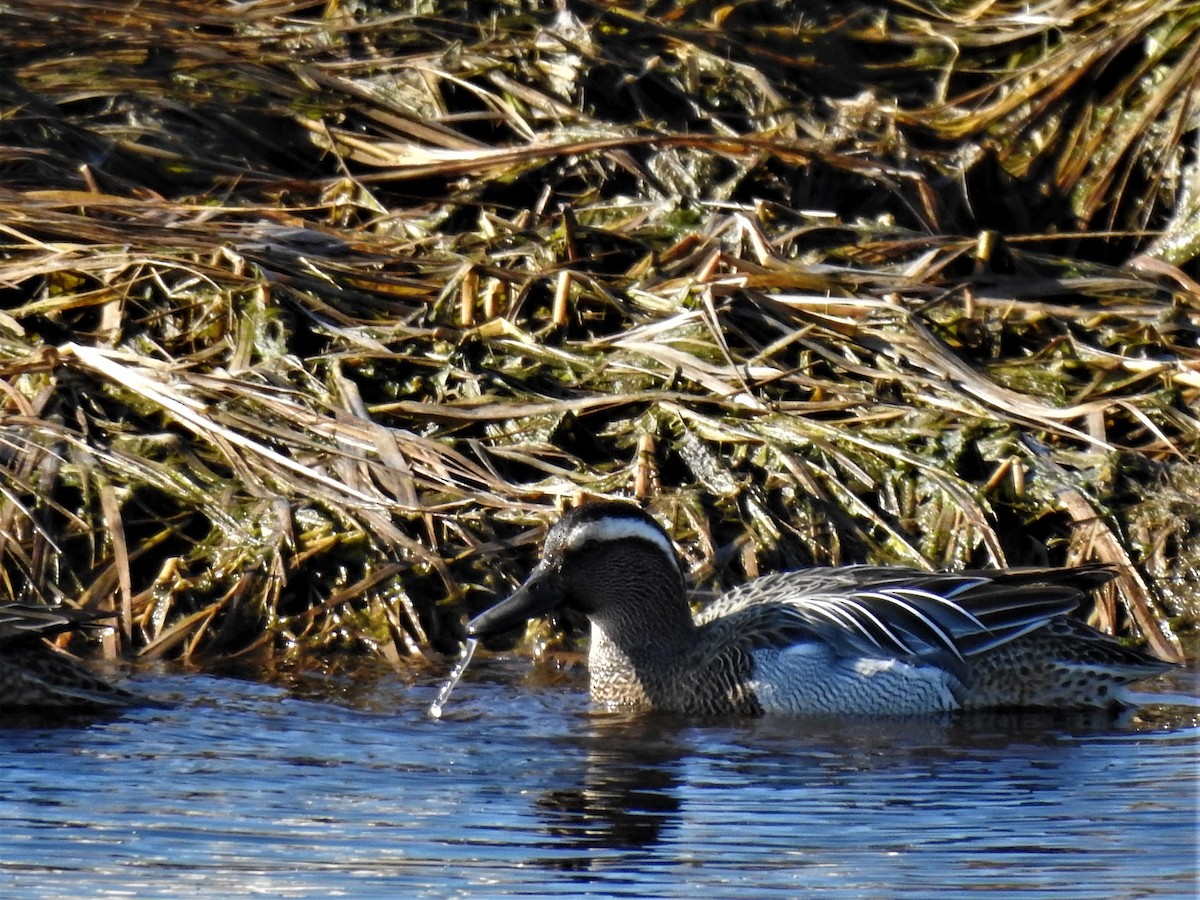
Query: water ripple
point(520, 790)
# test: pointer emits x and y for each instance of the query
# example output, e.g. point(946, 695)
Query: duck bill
point(535, 597)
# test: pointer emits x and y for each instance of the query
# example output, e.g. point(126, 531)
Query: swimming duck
point(858, 640)
point(36, 677)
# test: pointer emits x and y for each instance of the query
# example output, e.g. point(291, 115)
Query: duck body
point(858, 640)
point(35, 677)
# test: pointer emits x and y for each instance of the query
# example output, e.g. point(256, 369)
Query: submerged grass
point(314, 314)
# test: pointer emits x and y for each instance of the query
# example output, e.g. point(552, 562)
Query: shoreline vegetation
point(316, 313)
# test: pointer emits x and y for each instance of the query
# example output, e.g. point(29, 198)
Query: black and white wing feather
point(883, 612)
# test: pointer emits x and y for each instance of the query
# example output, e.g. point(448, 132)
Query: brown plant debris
point(314, 314)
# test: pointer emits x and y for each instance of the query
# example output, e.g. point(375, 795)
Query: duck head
point(608, 560)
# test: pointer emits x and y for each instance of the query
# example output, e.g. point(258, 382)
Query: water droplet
point(435, 708)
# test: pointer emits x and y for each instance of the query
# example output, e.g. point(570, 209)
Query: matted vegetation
point(315, 313)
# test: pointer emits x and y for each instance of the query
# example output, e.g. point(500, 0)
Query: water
point(460, 667)
point(348, 788)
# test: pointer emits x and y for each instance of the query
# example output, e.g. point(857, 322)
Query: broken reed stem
point(469, 296)
point(560, 315)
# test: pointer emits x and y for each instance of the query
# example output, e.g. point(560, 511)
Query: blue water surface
point(346, 787)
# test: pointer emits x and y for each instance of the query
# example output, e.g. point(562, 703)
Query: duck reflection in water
point(629, 790)
point(648, 783)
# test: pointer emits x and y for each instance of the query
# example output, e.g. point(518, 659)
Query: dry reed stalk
point(312, 322)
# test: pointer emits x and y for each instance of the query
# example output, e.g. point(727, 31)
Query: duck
point(859, 640)
point(36, 677)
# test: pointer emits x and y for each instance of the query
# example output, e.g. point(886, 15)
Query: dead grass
point(313, 315)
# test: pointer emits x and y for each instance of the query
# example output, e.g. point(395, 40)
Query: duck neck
point(639, 638)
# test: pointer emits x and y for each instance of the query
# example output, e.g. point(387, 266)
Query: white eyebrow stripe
point(619, 528)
